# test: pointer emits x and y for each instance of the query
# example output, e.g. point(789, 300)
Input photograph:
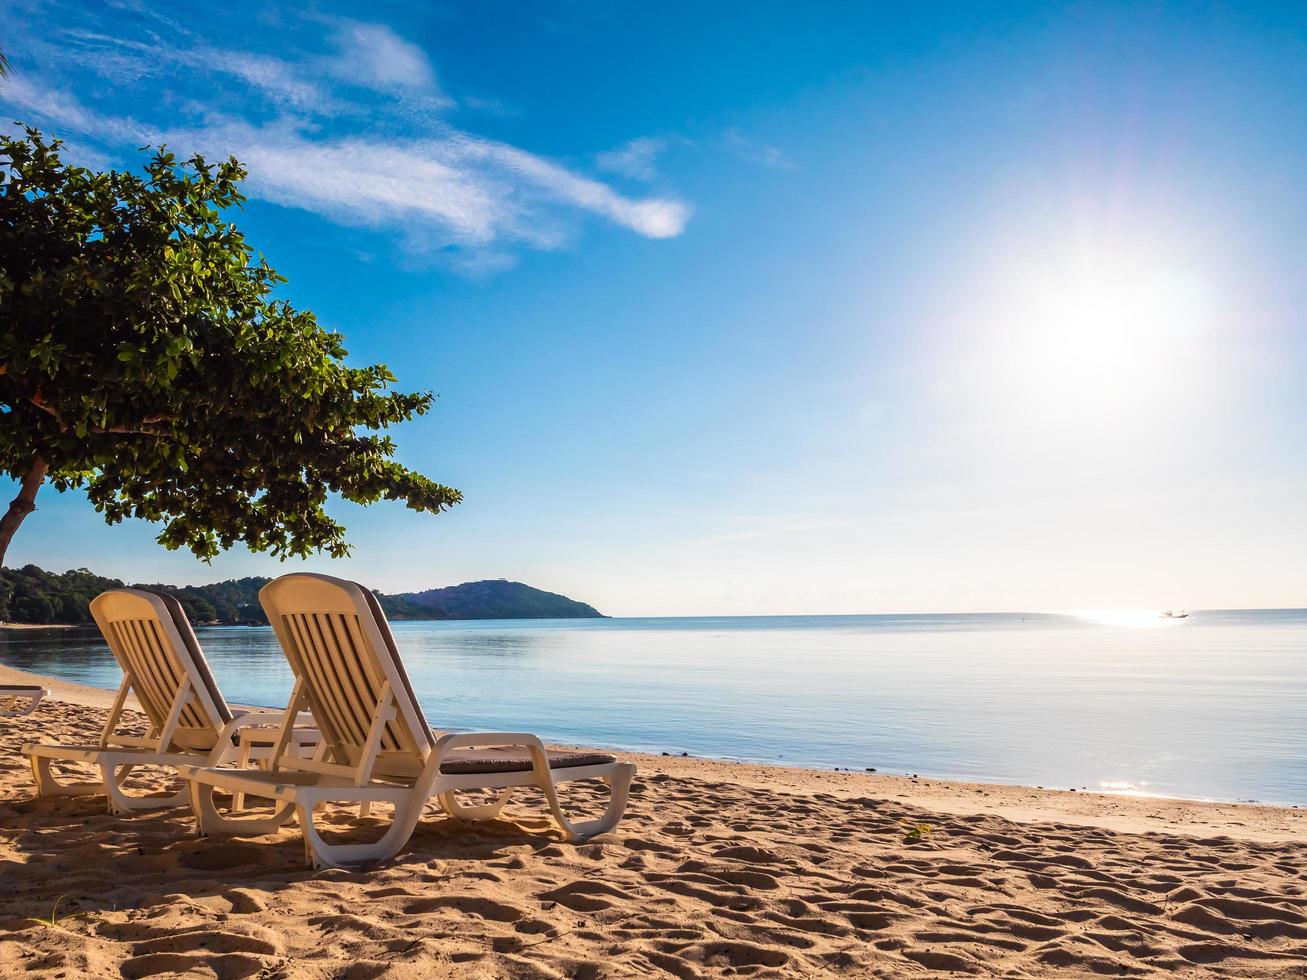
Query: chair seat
point(94, 753)
point(286, 784)
point(267, 738)
point(471, 762)
point(20, 689)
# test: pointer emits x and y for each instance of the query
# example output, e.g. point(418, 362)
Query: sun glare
point(1106, 324)
point(1096, 334)
point(1145, 619)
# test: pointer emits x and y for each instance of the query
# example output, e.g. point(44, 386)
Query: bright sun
point(1100, 332)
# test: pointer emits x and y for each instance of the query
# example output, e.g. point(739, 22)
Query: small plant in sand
point(918, 832)
point(54, 920)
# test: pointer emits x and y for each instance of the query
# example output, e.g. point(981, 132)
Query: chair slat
point(363, 675)
point(320, 690)
point(350, 688)
point(192, 715)
point(394, 740)
point(152, 697)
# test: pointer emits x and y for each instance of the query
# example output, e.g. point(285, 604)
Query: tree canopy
point(144, 358)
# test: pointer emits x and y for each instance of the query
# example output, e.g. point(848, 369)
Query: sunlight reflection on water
point(1209, 706)
point(1135, 619)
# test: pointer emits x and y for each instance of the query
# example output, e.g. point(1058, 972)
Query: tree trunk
point(22, 505)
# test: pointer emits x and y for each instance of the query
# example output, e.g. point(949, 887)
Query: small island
point(33, 596)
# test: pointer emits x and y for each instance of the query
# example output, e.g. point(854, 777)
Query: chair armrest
point(488, 740)
point(260, 718)
point(268, 716)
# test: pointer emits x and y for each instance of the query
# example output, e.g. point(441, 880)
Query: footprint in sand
point(470, 905)
point(587, 896)
point(222, 965)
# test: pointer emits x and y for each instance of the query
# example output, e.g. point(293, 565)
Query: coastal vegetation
point(145, 359)
point(31, 595)
point(490, 599)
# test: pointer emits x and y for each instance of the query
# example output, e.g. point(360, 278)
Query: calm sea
point(1212, 706)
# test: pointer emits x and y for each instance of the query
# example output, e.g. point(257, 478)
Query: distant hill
point(31, 595)
point(491, 599)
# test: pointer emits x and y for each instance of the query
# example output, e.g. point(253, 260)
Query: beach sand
point(718, 869)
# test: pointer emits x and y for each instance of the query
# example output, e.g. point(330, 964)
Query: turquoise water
point(1211, 706)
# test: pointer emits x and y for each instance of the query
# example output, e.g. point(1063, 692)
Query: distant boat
point(1182, 614)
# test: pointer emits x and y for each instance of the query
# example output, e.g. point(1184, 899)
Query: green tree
point(144, 358)
point(29, 604)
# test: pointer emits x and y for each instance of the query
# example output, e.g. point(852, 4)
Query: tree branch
point(48, 409)
point(127, 430)
point(143, 430)
point(23, 504)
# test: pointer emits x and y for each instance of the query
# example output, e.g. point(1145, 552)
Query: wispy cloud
point(65, 110)
point(453, 188)
point(270, 75)
point(763, 154)
point(355, 133)
point(652, 217)
point(635, 158)
point(126, 61)
point(492, 107)
point(375, 56)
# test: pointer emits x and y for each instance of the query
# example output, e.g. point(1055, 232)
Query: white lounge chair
point(19, 699)
point(189, 721)
point(377, 747)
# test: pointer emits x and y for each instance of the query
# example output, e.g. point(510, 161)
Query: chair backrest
point(347, 667)
point(153, 642)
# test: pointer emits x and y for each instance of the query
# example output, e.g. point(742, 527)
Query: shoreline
point(1122, 813)
point(44, 626)
point(718, 869)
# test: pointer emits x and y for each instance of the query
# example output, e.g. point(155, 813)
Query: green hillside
point(31, 595)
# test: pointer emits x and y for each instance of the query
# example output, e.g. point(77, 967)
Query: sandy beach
point(41, 626)
point(719, 868)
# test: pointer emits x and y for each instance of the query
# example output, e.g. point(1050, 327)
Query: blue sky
point(763, 308)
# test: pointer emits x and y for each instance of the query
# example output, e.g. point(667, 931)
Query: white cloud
point(451, 189)
point(652, 217)
point(270, 75)
point(376, 57)
point(124, 61)
point(476, 192)
point(300, 129)
point(65, 110)
point(635, 158)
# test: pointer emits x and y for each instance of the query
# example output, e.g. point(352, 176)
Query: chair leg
point(619, 785)
point(243, 762)
point(210, 820)
point(48, 785)
point(120, 803)
point(321, 855)
point(9, 704)
point(488, 811)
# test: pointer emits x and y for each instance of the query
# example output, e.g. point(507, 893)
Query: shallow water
point(1210, 706)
